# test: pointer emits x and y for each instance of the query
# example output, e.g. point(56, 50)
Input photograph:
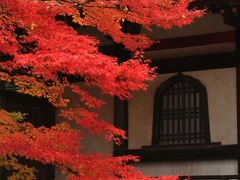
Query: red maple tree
point(37, 53)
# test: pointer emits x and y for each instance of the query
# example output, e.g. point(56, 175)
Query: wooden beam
point(196, 40)
point(179, 42)
point(194, 152)
point(198, 62)
point(207, 3)
point(208, 177)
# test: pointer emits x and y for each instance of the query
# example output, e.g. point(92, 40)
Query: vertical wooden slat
point(176, 115)
point(175, 121)
point(166, 140)
point(189, 119)
point(201, 124)
point(185, 120)
point(195, 118)
point(162, 119)
point(178, 111)
point(170, 116)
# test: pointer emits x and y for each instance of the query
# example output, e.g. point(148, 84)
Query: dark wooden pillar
point(232, 17)
point(238, 83)
point(121, 121)
point(238, 91)
point(121, 106)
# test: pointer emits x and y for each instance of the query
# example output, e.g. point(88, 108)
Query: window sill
point(190, 152)
point(183, 146)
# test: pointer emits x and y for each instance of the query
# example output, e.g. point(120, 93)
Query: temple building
point(187, 122)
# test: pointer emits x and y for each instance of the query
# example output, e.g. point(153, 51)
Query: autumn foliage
point(39, 50)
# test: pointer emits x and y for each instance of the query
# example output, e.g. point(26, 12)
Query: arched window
point(180, 112)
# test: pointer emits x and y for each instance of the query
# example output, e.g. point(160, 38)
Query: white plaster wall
point(190, 168)
point(91, 143)
point(221, 89)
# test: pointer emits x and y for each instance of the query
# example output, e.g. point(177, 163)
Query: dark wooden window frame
point(183, 117)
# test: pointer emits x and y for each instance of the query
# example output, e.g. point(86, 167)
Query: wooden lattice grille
point(181, 114)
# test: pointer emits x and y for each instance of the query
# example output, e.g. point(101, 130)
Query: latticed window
point(180, 112)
